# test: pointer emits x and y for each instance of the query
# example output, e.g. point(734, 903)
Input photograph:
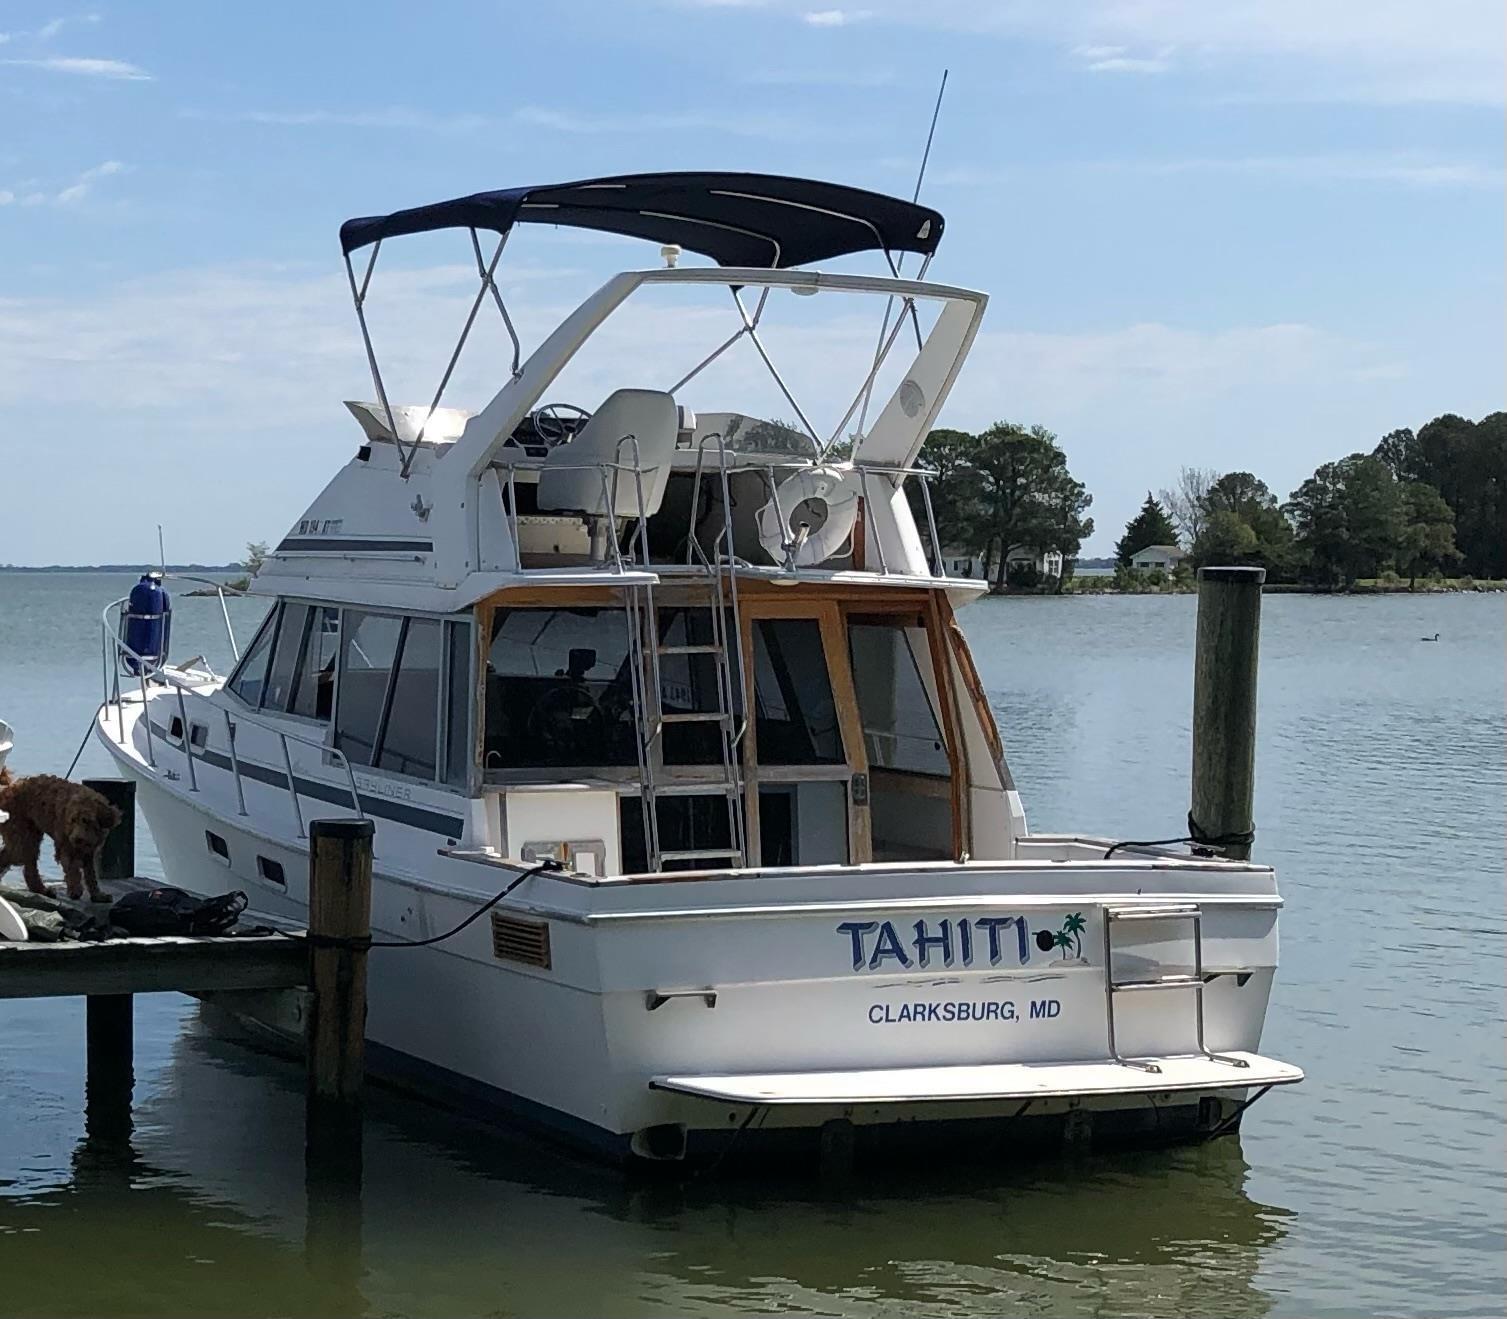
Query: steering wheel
point(550, 427)
point(567, 717)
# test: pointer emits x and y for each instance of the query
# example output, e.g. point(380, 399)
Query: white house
point(1048, 563)
point(960, 563)
point(1163, 557)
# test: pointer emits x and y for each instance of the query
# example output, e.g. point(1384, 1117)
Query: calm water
point(1376, 1187)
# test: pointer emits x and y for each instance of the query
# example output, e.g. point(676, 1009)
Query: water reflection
point(205, 1209)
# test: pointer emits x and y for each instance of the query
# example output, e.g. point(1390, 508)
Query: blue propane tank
point(148, 623)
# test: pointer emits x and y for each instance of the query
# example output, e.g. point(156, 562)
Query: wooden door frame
point(827, 615)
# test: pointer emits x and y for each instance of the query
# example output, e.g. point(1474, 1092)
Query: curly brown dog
point(76, 818)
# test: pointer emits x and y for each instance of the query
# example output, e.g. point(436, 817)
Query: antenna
point(161, 553)
point(889, 304)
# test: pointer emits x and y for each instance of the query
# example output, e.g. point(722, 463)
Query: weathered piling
point(340, 879)
point(1224, 708)
point(117, 859)
point(109, 1035)
point(109, 1076)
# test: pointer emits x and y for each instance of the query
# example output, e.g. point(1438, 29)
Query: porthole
point(217, 846)
point(271, 871)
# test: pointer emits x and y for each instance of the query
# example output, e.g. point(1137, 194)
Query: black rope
point(72, 764)
point(361, 944)
point(1235, 1116)
point(1195, 835)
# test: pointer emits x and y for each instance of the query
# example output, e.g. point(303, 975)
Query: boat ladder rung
point(693, 716)
point(706, 648)
point(702, 854)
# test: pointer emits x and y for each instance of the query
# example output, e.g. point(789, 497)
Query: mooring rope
point(1195, 835)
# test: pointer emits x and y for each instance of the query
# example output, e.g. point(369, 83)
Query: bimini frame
point(736, 219)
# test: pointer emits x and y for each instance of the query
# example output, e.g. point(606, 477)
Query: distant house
point(1162, 558)
point(960, 563)
point(1047, 563)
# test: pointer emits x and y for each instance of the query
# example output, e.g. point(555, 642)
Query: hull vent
point(517, 940)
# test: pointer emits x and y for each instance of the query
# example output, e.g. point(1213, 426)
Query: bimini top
point(736, 219)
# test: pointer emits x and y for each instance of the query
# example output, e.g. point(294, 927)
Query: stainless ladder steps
point(1191, 913)
point(718, 595)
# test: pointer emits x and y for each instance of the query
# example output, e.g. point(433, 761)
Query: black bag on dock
point(167, 910)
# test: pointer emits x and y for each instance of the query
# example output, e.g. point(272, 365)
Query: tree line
point(1424, 502)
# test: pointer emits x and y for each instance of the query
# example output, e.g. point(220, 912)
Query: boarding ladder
point(1190, 913)
point(712, 586)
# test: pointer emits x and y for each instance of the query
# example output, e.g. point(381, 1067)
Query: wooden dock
point(315, 978)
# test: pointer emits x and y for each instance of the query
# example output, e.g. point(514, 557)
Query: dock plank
point(148, 966)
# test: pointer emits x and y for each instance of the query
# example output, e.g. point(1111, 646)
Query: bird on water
point(1435, 637)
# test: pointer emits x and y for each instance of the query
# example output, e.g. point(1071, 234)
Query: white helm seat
point(572, 479)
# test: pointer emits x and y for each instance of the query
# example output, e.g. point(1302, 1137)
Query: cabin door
point(804, 762)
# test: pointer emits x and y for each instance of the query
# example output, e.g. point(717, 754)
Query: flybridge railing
point(153, 669)
point(619, 559)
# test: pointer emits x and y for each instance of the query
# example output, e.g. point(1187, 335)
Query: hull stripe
point(415, 817)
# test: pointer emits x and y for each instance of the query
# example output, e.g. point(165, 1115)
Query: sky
point(1256, 234)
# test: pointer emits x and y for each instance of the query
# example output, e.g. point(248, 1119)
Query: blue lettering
point(1007, 1010)
point(994, 924)
point(888, 945)
point(925, 942)
point(1023, 937)
point(949, 1012)
point(1043, 1008)
point(855, 930)
point(933, 1012)
point(876, 1020)
point(965, 942)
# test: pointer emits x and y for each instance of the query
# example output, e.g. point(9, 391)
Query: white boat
point(708, 667)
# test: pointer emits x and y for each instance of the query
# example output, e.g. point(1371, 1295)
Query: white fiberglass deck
point(992, 1081)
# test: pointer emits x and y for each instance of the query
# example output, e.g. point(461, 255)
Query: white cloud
point(1116, 59)
point(1397, 51)
point(736, 124)
point(391, 117)
point(835, 17)
point(1403, 168)
point(118, 70)
point(70, 194)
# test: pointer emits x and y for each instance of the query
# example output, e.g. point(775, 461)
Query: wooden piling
point(109, 1078)
point(340, 877)
point(117, 859)
point(1224, 707)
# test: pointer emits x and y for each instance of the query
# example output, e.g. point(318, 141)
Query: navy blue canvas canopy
point(736, 219)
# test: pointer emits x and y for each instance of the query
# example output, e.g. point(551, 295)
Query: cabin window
point(368, 647)
point(251, 673)
point(559, 690)
point(795, 715)
point(900, 727)
point(286, 654)
point(314, 686)
point(410, 729)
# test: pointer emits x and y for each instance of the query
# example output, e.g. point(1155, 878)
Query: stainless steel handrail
point(165, 675)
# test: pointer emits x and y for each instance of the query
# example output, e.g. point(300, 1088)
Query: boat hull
point(650, 989)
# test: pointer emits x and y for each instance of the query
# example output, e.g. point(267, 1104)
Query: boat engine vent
point(517, 940)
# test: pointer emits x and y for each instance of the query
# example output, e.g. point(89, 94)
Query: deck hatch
point(515, 939)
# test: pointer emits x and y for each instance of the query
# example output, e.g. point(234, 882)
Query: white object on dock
point(7, 741)
point(12, 927)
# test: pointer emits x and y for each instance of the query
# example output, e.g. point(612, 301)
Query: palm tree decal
point(1072, 926)
point(1063, 940)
